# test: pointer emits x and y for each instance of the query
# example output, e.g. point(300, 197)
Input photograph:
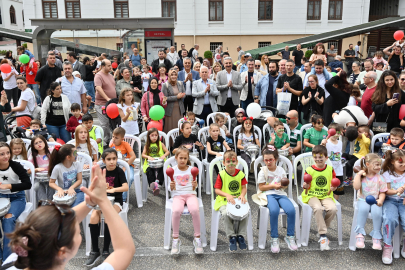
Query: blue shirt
point(136, 60)
point(207, 95)
point(269, 95)
point(73, 90)
point(243, 68)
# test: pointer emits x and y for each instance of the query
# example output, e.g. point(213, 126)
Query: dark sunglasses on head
point(63, 212)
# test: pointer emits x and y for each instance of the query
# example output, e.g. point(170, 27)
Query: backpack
point(190, 52)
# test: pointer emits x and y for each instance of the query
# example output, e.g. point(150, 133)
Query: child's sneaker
point(348, 181)
point(377, 244)
point(93, 258)
point(360, 241)
point(290, 240)
point(324, 243)
point(403, 249)
point(232, 244)
point(275, 247)
point(387, 254)
point(176, 246)
point(241, 242)
point(155, 188)
point(198, 246)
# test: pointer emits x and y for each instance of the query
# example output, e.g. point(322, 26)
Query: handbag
point(283, 102)
point(380, 127)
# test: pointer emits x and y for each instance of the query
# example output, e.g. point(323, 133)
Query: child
point(379, 66)
point(145, 77)
point(94, 132)
point(316, 134)
point(371, 184)
point(64, 168)
point(35, 129)
point(279, 138)
point(183, 191)
point(23, 50)
point(137, 79)
point(125, 152)
point(220, 120)
point(319, 54)
point(269, 183)
point(74, 120)
point(215, 144)
point(117, 184)
point(396, 138)
point(378, 58)
point(247, 137)
point(355, 96)
point(186, 138)
point(18, 151)
point(154, 148)
point(128, 110)
point(226, 195)
point(317, 195)
point(84, 143)
point(393, 208)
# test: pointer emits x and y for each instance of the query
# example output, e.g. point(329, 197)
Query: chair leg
point(258, 218)
point(214, 229)
point(284, 221)
point(203, 230)
point(397, 241)
point(352, 241)
point(263, 227)
point(207, 182)
point(138, 191)
point(339, 221)
point(168, 228)
point(297, 226)
point(145, 187)
point(250, 231)
point(88, 237)
point(306, 225)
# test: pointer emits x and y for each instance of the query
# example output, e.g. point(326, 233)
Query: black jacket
point(155, 65)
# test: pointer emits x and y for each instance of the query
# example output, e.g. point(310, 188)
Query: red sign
point(158, 33)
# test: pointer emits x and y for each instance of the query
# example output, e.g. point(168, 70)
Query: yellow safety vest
point(231, 185)
point(92, 134)
point(153, 154)
point(320, 185)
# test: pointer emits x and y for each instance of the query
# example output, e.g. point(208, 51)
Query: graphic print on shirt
point(216, 147)
point(357, 147)
point(57, 108)
point(189, 146)
point(69, 178)
point(335, 156)
point(110, 180)
point(153, 151)
point(182, 180)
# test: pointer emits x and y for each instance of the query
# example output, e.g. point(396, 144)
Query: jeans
point(246, 102)
point(131, 180)
point(90, 90)
point(79, 197)
point(296, 68)
point(35, 87)
point(362, 214)
point(59, 132)
point(393, 214)
point(17, 201)
point(274, 202)
point(104, 123)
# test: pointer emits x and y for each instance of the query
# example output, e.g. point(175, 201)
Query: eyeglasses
point(257, 65)
point(63, 212)
point(289, 118)
point(311, 81)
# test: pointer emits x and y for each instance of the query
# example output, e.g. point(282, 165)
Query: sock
point(323, 235)
point(95, 233)
point(107, 238)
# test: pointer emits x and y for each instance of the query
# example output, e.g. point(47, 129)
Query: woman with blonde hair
point(197, 66)
point(215, 69)
point(265, 63)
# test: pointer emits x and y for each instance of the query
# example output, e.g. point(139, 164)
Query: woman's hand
point(70, 192)
point(5, 186)
point(179, 95)
point(95, 194)
point(392, 102)
point(145, 119)
point(309, 95)
point(316, 94)
point(164, 100)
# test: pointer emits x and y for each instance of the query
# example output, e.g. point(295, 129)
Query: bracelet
point(90, 206)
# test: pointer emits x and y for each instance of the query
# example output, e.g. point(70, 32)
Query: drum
point(283, 152)
point(42, 176)
point(4, 206)
point(157, 163)
point(252, 151)
point(237, 211)
point(112, 200)
point(67, 199)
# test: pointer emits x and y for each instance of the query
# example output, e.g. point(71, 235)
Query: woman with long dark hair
point(151, 98)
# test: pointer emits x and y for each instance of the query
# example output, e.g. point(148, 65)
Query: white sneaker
point(324, 243)
point(198, 246)
point(275, 247)
point(176, 246)
point(290, 240)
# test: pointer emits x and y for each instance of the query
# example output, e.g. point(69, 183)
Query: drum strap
point(7, 266)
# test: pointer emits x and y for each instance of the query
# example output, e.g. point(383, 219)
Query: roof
point(309, 41)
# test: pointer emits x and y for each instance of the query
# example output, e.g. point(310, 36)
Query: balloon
point(398, 35)
point(253, 110)
point(114, 65)
point(371, 200)
point(157, 112)
point(333, 74)
point(112, 111)
point(402, 112)
point(5, 68)
point(60, 141)
point(24, 58)
point(155, 124)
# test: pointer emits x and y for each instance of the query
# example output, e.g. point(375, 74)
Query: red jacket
point(30, 77)
point(73, 123)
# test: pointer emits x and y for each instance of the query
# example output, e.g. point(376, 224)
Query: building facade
point(12, 14)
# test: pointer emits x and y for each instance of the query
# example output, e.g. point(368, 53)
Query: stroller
point(116, 122)
point(12, 129)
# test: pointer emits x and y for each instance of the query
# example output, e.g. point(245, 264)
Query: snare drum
point(4, 206)
point(156, 164)
point(42, 176)
point(110, 198)
point(237, 211)
point(283, 152)
point(67, 199)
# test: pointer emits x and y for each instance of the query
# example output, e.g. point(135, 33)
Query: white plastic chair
point(397, 241)
point(264, 213)
point(29, 206)
point(211, 117)
point(180, 122)
point(379, 137)
point(237, 129)
point(169, 201)
point(216, 214)
point(172, 134)
point(306, 161)
point(306, 127)
point(125, 207)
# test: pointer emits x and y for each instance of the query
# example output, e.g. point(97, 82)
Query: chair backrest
point(85, 159)
point(123, 165)
point(197, 120)
point(101, 132)
point(53, 144)
point(27, 143)
point(236, 132)
point(380, 137)
point(131, 139)
point(305, 128)
point(142, 137)
point(203, 135)
point(28, 165)
point(171, 162)
point(172, 134)
point(211, 117)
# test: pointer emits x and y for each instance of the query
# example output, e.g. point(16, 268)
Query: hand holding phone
point(395, 96)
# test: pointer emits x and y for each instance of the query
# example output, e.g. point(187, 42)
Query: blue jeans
point(274, 202)
point(131, 180)
point(245, 103)
point(59, 132)
point(35, 87)
point(18, 202)
point(90, 90)
point(362, 214)
point(393, 215)
point(79, 197)
point(296, 68)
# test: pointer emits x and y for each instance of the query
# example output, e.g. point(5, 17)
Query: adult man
point(357, 50)
point(350, 54)
point(73, 87)
point(368, 66)
point(265, 90)
point(240, 52)
point(304, 75)
point(249, 78)
point(337, 63)
point(105, 90)
point(172, 56)
point(370, 82)
point(319, 66)
point(297, 56)
point(205, 92)
point(281, 64)
point(331, 54)
point(131, 49)
point(402, 81)
point(179, 62)
point(292, 83)
point(183, 47)
point(195, 51)
point(76, 64)
point(161, 60)
point(135, 58)
point(188, 76)
point(224, 55)
point(394, 63)
point(58, 61)
point(47, 74)
point(229, 84)
point(285, 54)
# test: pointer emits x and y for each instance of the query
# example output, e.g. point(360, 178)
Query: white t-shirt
point(195, 53)
point(82, 148)
point(183, 181)
point(396, 182)
point(131, 125)
point(188, 85)
point(352, 101)
point(335, 156)
point(356, 50)
point(145, 81)
point(29, 96)
point(12, 82)
point(246, 140)
point(344, 117)
point(272, 177)
point(229, 78)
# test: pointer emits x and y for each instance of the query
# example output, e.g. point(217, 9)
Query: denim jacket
point(261, 90)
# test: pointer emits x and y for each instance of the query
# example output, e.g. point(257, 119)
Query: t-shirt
point(350, 53)
point(47, 75)
point(361, 146)
point(396, 182)
point(285, 54)
point(29, 96)
point(298, 54)
point(183, 180)
point(246, 140)
point(55, 115)
point(15, 175)
point(42, 161)
point(295, 83)
point(131, 125)
point(12, 81)
point(295, 134)
point(331, 58)
point(356, 50)
point(124, 149)
point(82, 147)
point(371, 186)
point(395, 63)
point(106, 81)
point(335, 156)
point(116, 178)
point(216, 146)
point(66, 177)
point(366, 101)
point(187, 142)
point(280, 142)
point(315, 137)
point(272, 177)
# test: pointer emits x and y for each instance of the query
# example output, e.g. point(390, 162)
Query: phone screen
point(395, 96)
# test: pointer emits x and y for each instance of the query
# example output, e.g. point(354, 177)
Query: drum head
point(4, 202)
point(238, 211)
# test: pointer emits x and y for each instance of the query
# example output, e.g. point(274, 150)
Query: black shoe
point(241, 242)
point(93, 258)
point(105, 255)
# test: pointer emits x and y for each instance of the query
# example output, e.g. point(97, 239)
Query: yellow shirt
point(361, 146)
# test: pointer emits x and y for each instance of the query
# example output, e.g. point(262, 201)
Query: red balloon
point(60, 141)
point(308, 178)
point(114, 65)
point(112, 111)
point(335, 182)
point(398, 35)
point(5, 68)
point(155, 124)
point(402, 112)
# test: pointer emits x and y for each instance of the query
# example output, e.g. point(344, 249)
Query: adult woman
point(207, 63)
point(125, 81)
point(215, 69)
point(385, 107)
point(197, 66)
point(237, 120)
point(38, 245)
point(127, 64)
point(217, 54)
point(55, 112)
point(151, 98)
point(264, 63)
point(4, 107)
point(340, 91)
point(89, 82)
point(26, 103)
point(162, 76)
point(10, 82)
point(356, 71)
point(312, 99)
point(175, 92)
point(38, 64)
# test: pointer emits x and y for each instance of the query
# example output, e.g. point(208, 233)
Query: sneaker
point(403, 249)
point(232, 244)
point(275, 247)
point(176, 246)
point(324, 243)
point(387, 254)
point(198, 246)
point(156, 191)
point(360, 241)
point(241, 242)
point(377, 244)
point(290, 240)
point(105, 255)
point(152, 186)
point(93, 258)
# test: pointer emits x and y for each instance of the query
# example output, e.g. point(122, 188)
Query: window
point(335, 9)
point(72, 8)
point(169, 8)
point(121, 8)
point(12, 15)
point(50, 9)
point(314, 10)
point(214, 46)
point(216, 10)
point(264, 44)
point(334, 43)
point(265, 9)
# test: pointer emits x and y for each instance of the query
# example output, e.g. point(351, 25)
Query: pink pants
point(177, 209)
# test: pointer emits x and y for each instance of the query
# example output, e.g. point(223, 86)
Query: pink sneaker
point(377, 244)
point(360, 241)
point(387, 254)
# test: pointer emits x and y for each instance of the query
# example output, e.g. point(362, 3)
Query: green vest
point(320, 185)
point(231, 185)
point(92, 134)
point(153, 153)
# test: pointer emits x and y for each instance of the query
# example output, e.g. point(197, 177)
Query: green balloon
point(157, 112)
point(24, 58)
point(333, 74)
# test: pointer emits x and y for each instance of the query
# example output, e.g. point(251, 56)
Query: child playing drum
point(247, 137)
point(186, 139)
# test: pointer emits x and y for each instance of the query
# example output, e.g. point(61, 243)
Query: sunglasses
point(289, 118)
point(319, 123)
point(63, 212)
point(402, 79)
point(257, 65)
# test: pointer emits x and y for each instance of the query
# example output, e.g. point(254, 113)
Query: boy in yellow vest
point(317, 193)
point(94, 132)
point(231, 183)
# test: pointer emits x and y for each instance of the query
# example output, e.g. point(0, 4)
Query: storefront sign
point(158, 33)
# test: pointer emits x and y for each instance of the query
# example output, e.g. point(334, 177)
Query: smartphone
point(395, 96)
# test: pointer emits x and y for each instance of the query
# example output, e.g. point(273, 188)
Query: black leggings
point(13, 94)
point(151, 175)
point(349, 164)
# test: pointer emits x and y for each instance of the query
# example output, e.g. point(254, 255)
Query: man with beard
point(265, 90)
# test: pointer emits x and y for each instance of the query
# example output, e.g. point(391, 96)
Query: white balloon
point(253, 110)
